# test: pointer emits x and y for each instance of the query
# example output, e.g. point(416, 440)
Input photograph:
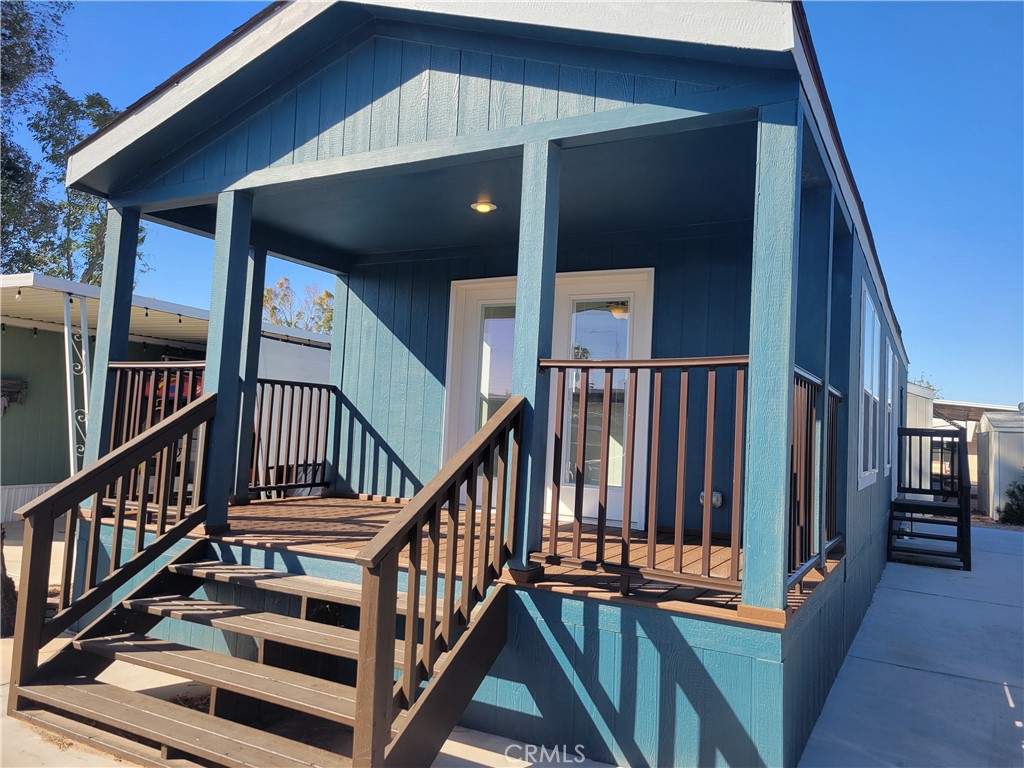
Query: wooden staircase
point(303, 673)
point(934, 527)
point(394, 670)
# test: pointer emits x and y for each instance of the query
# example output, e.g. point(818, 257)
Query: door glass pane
point(600, 331)
point(497, 326)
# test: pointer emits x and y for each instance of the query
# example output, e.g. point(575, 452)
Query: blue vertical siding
point(634, 686)
point(388, 91)
point(396, 354)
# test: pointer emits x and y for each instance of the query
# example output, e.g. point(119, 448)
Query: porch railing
point(477, 543)
point(676, 554)
point(803, 545)
point(807, 497)
point(170, 511)
point(289, 446)
point(147, 393)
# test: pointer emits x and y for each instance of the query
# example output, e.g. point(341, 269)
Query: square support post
point(223, 375)
point(113, 323)
point(535, 303)
point(333, 473)
point(249, 368)
point(772, 357)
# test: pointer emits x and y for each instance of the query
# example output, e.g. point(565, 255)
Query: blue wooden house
point(608, 450)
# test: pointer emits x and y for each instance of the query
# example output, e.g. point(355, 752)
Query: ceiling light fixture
point(619, 310)
point(483, 206)
point(18, 295)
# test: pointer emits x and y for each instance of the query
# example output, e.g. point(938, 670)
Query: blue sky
point(929, 99)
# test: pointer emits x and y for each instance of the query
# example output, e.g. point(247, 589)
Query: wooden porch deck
point(339, 528)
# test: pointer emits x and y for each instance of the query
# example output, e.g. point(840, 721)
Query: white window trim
point(866, 478)
point(890, 367)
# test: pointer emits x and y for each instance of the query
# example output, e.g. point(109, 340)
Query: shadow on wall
point(627, 687)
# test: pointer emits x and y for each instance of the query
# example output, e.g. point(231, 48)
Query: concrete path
point(935, 676)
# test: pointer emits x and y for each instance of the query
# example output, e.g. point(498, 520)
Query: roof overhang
point(38, 301)
point(957, 410)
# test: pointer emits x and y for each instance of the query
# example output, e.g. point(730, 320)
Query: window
point(871, 379)
point(890, 363)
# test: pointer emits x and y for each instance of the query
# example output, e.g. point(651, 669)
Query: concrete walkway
point(936, 672)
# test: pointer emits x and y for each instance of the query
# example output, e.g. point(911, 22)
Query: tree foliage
point(314, 312)
point(46, 228)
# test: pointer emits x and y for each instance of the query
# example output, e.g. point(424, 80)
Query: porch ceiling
point(660, 182)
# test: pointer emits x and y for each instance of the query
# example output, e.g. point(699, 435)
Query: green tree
point(315, 312)
point(31, 32)
point(58, 126)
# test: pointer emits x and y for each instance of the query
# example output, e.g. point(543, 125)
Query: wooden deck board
point(338, 527)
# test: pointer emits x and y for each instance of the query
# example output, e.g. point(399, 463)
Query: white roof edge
point(62, 285)
point(968, 404)
point(192, 85)
point(749, 24)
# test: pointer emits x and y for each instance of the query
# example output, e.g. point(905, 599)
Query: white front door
point(598, 315)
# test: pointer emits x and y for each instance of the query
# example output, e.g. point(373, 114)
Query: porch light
point(619, 310)
point(18, 295)
point(483, 206)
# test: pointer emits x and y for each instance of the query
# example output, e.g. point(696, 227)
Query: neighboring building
point(45, 364)
point(1000, 438)
point(608, 308)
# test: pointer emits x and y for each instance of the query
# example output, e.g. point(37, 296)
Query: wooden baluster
point(167, 481)
point(93, 551)
point(275, 452)
point(652, 502)
point(289, 406)
point(468, 532)
point(411, 663)
point(684, 388)
point(556, 461)
point(501, 478)
point(430, 646)
point(483, 564)
point(451, 562)
point(142, 515)
point(117, 418)
point(709, 460)
point(375, 676)
point(186, 457)
point(581, 459)
point(68, 568)
point(513, 483)
point(313, 445)
point(199, 477)
point(627, 480)
point(257, 439)
point(602, 481)
point(118, 533)
point(735, 531)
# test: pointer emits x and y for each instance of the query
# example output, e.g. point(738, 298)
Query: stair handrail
point(416, 530)
point(964, 487)
point(127, 465)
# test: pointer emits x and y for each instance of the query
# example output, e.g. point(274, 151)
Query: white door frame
point(469, 297)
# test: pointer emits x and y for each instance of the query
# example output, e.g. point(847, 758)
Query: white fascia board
point(194, 84)
point(820, 116)
point(749, 24)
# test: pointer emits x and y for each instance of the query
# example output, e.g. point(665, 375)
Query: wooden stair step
point(939, 508)
point(925, 520)
point(195, 733)
point(925, 535)
point(904, 549)
point(105, 741)
point(300, 633)
point(299, 585)
point(273, 581)
point(331, 701)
